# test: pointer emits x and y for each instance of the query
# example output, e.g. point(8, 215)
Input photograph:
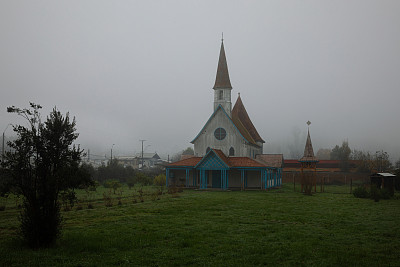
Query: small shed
point(383, 180)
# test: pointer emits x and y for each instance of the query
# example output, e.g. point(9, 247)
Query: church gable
point(219, 119)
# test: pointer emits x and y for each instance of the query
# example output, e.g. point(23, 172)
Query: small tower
point(308, 165)
point(222, 87)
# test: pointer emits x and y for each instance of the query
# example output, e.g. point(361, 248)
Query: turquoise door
point(216, 179)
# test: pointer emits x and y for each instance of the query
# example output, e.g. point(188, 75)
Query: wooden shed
point(384, 180)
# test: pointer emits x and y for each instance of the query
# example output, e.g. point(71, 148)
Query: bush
point(385, 194)
point(107, 198)
point(114, 184)
point(361, 192)
point(375, 193)
point(143, 179)
point(160, 179)
point(130, 182)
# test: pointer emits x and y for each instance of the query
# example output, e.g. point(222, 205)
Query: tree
point(342, 154)
point(367, 162)
point(43, 163)
point(324, 154)
point(188, 151)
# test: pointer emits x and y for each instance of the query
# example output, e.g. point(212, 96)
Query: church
point(228, 150)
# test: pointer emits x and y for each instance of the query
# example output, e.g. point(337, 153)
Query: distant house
point(149, 159)
point(126, 161)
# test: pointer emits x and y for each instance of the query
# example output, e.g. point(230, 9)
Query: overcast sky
point(130, 70)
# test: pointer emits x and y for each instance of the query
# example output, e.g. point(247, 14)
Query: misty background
point(131, 70)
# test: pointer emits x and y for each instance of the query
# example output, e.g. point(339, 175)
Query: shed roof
point(386, 174)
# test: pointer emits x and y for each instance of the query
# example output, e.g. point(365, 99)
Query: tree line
point(364, 161)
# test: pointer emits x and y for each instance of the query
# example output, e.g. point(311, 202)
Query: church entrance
point(216, 179)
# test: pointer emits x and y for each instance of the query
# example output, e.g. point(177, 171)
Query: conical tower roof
point(308, 150)
point(222, 80)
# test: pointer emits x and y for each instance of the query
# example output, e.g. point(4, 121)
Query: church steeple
point(222, 80)
point(222, 87)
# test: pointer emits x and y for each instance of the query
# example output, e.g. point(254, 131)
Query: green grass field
point(279, 227)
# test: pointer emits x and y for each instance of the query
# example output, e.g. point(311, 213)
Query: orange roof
point(271, 160)
point(242, 121)
point(244, 162)
point(186, 162)
point(229, 161)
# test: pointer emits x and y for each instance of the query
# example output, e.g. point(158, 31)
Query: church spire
point(308, 149)
point(222, 80)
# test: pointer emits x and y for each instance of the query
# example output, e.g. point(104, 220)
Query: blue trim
point(204, 159)
point(212, 115)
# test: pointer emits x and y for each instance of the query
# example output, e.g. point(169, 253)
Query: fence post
point(321, 184)
point(294, 183)
point(351, 185)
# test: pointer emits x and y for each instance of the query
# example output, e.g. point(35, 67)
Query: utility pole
point(111, 151)
point(142, 152)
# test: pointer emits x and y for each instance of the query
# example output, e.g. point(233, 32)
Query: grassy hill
point(279, 227)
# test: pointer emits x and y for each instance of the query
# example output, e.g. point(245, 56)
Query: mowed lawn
point(278, 227)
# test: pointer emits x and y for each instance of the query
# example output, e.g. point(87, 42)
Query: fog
point(131, 70)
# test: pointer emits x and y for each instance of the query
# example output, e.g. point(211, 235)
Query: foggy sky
point(130, 70)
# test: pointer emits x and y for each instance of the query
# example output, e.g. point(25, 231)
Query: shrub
point(361, 192)
point(385, 194)
point(143, 179)
point(68, 199)
point(375, 193)
point(160, 180)
point(107, 198)
point(130, 182)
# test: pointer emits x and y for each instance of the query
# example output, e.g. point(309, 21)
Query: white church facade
point(228, 150)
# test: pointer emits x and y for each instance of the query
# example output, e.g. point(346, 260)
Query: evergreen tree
point(43, 163)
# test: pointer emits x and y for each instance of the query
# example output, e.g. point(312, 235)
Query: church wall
point(232, 139)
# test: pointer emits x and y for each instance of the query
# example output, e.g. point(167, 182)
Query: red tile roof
point(230, 161)
point(245, 162)
point(186, 162)
point(271, 160)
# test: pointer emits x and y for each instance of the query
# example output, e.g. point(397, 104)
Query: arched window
point(231, 151)
point(220, 95)
point(208, 150)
